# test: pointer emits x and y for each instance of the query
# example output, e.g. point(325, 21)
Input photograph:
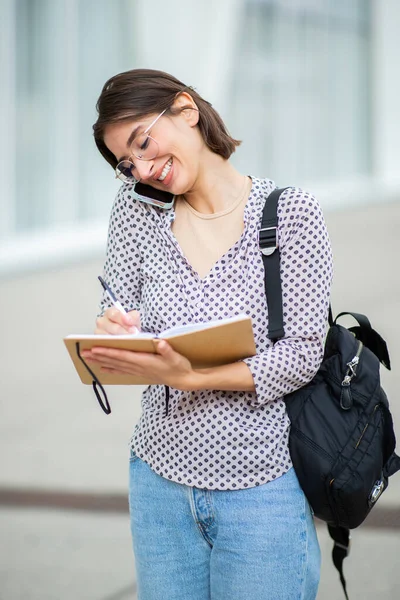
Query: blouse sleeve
point(122, 266)
point(306, 275)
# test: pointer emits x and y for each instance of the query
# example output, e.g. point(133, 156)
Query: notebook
point(205, 344)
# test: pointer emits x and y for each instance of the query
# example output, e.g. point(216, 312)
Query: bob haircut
point(142, 92)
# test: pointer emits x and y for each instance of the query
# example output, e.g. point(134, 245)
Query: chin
point(181, 188)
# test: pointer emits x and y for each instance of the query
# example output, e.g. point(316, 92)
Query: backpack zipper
point(361, 436)
point(311, 444)
point(352, 366)
point(346, 399)
point(366, 426)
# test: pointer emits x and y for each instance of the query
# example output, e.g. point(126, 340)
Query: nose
point(144, 168)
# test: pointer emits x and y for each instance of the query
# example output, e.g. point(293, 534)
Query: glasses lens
point(124, 170)
point(144, 147)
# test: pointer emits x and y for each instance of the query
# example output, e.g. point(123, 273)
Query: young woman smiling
point(216, 509)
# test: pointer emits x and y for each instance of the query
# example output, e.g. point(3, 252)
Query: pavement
point(64, 527)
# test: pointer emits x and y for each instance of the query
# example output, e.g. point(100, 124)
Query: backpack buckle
point(379, 487)
point(268, 240)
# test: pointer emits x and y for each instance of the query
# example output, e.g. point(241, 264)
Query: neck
point(217, 186)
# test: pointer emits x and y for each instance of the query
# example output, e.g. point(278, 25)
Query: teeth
point(166, 170)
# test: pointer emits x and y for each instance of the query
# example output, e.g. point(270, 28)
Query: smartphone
point(160, 198)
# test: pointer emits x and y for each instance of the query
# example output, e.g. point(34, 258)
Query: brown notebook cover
point(215, 343)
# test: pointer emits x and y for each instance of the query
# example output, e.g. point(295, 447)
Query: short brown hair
point(141, 92)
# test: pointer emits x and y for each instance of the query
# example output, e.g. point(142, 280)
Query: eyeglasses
point(143, 147)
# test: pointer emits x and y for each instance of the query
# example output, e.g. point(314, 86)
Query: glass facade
point(64, 50)
point(301, 91)
point(299, 97)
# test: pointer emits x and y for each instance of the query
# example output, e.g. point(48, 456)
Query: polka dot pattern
point(219, 439)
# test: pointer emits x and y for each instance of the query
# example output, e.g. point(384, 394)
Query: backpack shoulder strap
point(341, 549)
point(269, 246)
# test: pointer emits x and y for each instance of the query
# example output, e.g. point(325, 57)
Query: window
point(301, 90)
point(59, 55)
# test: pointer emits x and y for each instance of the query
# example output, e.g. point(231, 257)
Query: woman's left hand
point(167, 367)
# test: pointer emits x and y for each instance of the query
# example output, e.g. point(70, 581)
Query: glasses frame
point(140, 157)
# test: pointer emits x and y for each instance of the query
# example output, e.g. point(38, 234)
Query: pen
point(116, 303)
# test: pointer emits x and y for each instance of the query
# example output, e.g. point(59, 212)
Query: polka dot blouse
point(221, 439)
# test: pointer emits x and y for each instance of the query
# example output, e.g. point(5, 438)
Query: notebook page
point(126, 336)
point(180, 329)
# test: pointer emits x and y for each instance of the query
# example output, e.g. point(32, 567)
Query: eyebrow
point(132, 136)
point(129, 142)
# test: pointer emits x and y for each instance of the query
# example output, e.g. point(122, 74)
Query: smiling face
point(178, 144)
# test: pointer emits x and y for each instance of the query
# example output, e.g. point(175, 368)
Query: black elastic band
point(166, 400)
point(102, 401)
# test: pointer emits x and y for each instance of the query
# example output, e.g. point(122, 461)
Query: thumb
point(164, 349)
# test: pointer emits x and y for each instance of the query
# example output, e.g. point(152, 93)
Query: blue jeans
point(192, 544)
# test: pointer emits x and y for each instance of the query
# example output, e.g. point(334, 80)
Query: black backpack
point(341, 438)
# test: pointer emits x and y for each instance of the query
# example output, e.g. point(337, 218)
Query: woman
point(216, 508)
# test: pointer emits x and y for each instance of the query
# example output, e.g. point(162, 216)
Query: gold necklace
point(222, 213)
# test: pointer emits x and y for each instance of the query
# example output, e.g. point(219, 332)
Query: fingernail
point(133, 330)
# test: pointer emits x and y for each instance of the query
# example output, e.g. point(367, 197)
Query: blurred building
point(311, 86)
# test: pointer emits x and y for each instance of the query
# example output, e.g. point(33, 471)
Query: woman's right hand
point(113, 322)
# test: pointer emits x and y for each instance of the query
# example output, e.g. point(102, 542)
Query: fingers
point(123, 361)
point(118, 365)
point(166, 366)
point(113, 322)
point(107, 327)
point(132, 318)
point(167, 352)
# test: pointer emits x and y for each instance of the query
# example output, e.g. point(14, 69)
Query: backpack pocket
point(312, 464)
point(357, 471)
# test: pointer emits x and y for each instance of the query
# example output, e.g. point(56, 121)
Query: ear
point(187, 107)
